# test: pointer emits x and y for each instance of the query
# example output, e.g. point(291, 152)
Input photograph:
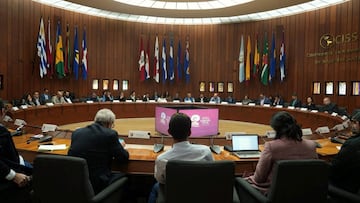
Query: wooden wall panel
point(113, 52)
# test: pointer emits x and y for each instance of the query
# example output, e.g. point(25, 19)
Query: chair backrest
point(199, 181)
point(299, 181)
point(61, 179)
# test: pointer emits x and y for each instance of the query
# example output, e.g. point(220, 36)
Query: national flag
point(282, 58)
point(142, 60)
point(187, 62)
point(76, 55)
point(59, 53)
point(49, 56)
point(84, 65)
point(41, 52)
point(67, 65)
point(248, 60)
point(163, 62)
point(241, 61)
point(156, 60)
point(147, 61)
point(171, 61)
point(256, 59)
point(272, 72)
point(265, 62)
point(179, 69)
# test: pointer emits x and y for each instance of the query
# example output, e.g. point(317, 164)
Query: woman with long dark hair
point(287, 145)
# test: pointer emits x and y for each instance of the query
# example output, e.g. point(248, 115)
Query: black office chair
point(59, 179)
point(339, 195)
point(295, 181)
point(198, 181)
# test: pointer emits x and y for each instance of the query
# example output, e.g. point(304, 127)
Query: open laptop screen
point(245, 142)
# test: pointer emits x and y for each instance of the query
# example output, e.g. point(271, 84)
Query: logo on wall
point(328, 40)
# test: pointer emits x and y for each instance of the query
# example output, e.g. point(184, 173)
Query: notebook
point(244, 146)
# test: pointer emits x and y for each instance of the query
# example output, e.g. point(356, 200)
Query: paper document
point(52, 147)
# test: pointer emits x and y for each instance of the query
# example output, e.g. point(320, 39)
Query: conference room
point(230, 66)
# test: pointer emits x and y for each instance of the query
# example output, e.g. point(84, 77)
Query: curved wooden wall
point(113, 48)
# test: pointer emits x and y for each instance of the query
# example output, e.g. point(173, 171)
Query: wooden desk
point(62, 114)
point(142, 158)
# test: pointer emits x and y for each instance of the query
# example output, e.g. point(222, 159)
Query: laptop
point(244, 146)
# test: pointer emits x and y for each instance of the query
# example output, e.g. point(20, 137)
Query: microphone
point(214, 148)
point(158, 147)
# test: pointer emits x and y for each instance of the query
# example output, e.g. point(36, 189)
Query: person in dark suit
point(345, 165)
point(202, 98)
point(45, 97)
point(263, 100)
point(310, 105)
point(15, 173)
point(99, 145)
point(329, 107)
point(295, 102)
point(278, 101)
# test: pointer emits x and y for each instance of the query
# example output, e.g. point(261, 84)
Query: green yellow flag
point(265, 63)
point(59, 54)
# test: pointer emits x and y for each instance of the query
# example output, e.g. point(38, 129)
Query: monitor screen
point(205, 122)
point(162, 119)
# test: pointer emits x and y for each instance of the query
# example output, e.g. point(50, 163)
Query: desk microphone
point(214, 148)
point(159, 147)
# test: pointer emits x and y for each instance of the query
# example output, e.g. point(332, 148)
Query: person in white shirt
point(189, 98)
point(180, 130)
point(215, 99)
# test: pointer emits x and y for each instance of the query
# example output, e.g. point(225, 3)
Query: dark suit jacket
point(345, 169)
point(9, 157)
point(330, 108)
point(295, 103)
point(99, 146)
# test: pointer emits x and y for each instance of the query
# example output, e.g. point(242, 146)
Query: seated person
point(107, 97)
point(67, 97)
point(189, 98)
point(36, 98)
point(156, 96)
point(263, 100)
point(329, 107)
point(230, 99)
point(146, 97)
point(215, 99)
point(278, 101)
point(287, 145)
point(27, 100)
point(345, 165)
point(202, 98)
point(310, 105)
point(180, 130)
point(176, 97)
point(98, 143)
point(295, 102)
point(94, 97)
point(122, 97)
point(15, 173)
point(45, 97)
point(58, 98)
point(132, 96)
point(246, 100)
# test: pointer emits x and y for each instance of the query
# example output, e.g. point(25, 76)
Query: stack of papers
point(52, 147)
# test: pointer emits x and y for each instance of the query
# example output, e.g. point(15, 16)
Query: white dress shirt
point(181, 151)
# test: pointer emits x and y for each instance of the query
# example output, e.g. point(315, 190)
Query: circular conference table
point(142, 157)
point(62, 114)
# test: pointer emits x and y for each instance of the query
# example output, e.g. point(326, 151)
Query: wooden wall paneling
point(214, 49)
point(3, 50)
